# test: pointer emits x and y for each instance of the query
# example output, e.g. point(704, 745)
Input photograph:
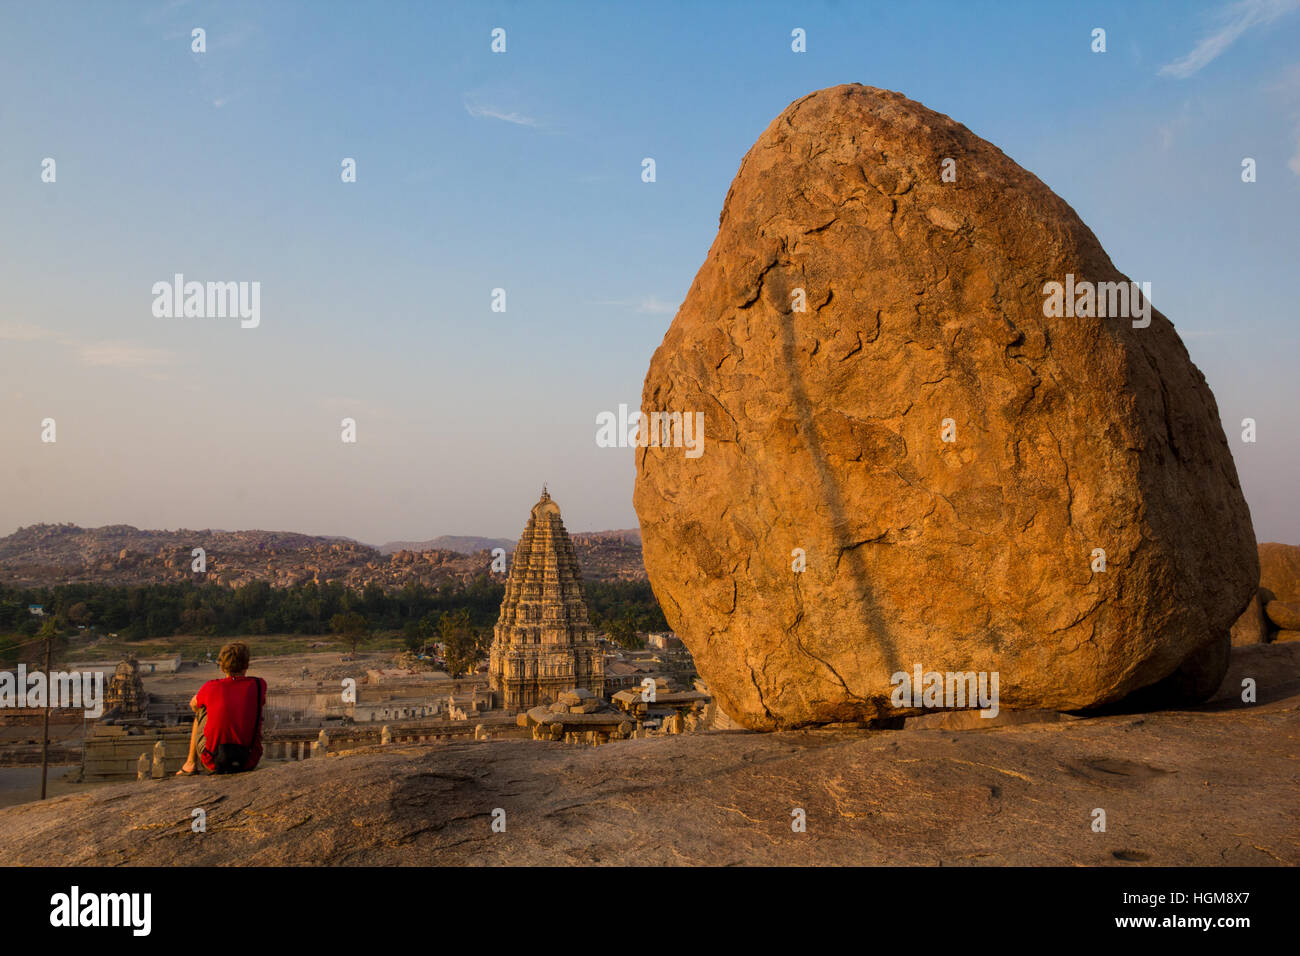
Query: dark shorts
point(201, 721)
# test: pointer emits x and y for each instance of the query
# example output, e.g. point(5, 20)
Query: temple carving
point(543, 644)
point(126, 696)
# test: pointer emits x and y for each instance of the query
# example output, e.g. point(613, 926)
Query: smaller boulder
point(1285, 616)
point(1252, 627)
point(1279, 570)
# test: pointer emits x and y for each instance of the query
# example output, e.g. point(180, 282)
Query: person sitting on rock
point(227, 734)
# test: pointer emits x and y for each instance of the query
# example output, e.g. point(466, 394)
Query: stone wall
point(114, 756)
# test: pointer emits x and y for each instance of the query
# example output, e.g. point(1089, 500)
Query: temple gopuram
point(543, 644)
point(126, 697)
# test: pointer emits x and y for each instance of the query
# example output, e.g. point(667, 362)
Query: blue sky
point(522, 170)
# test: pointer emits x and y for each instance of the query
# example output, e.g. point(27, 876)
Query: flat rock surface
point(1213, 784)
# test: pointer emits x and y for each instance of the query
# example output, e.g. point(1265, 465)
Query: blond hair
point(234, 658)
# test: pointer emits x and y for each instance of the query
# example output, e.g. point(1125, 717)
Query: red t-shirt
point(231, 703)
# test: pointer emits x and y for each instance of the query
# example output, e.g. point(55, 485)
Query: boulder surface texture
point(878, 284)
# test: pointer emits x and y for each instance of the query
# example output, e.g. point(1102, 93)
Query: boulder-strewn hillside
point(461, 543)
point(44, 555)
point(65, 544)
point(1210, 785)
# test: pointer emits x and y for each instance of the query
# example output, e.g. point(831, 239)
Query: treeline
point(164, 610)
point(622, 608)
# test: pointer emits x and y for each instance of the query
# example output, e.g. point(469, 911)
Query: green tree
point(413, 636)
point(351, 626)
point(622, 631)
point(462, 643)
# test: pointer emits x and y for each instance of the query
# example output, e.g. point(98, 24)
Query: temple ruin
point(126, 697)
point(543, 644)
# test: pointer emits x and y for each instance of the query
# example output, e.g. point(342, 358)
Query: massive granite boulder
point(878, 284)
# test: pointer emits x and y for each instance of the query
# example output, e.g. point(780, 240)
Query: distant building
point(543, 644)
point(126, 696)
point(36, 610)
point(160, 665)
point(664, 640)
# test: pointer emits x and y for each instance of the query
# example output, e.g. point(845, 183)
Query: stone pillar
point(385, 736)
point(302, 746)
point(142, 767)
point(159, 760)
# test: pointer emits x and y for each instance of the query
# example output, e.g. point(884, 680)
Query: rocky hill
point(45, 555)
point(1211, 785)
point(609, 555)
point(461, 543)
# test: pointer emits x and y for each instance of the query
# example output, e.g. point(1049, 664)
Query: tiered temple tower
point(543, 644)
point(126, 690)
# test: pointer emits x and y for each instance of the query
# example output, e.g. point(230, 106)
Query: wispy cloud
point(650, 305)
point(490, 112)
point(98, 354)
point(161, 13)
point(1172, 128)
point(1288, 89)
point(21, 332)
point(1232, 21)
point(123, 355)
point(653, 306)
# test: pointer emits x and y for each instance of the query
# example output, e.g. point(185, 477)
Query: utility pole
point(82, 777)
point(45, 724)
